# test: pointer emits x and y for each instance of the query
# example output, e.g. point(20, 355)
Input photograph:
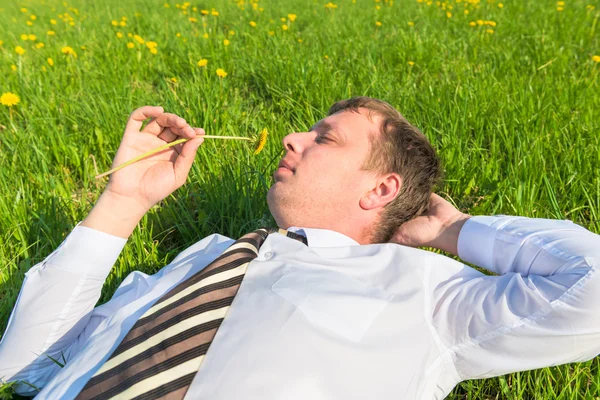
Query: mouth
point(285, 166)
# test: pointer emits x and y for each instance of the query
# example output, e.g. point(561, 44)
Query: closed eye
point(323, 138)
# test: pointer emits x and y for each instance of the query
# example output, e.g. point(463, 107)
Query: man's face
point(319, 181)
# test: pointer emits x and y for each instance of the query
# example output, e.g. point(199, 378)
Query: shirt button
point(268, 255)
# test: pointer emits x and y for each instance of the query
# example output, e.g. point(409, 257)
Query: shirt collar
point(323, 237)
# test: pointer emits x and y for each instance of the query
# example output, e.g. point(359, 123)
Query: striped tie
point(162, 352)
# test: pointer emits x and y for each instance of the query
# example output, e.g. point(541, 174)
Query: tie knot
point(291, 235)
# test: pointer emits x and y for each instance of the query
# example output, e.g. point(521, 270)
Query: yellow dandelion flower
point(221, 73)
point(32, 37)
point(215, 13)
point(560, 8)
point(330, 5)
point(68, 50)
point(596, 59)
point(174, 80)
point(326, 57)
point(271, 33)
point(24, 37)
point(9, 99)
point(282, 19)
point(466, 12)
point(50, 62)
point(500, 5)
point(43, 69)
point(194, 9)
point(123, 23)
point(231, 33)
point(490, 23)
point(299, 40)
point(33, 17)
point(226, 42)
point(203, 62)
point(124, 18)
point(119, 35)
point(114, 23)
point(489, 30)
point(72, 23)
point(129, 35)
point(39, 45)
point(50, 33)
point(292, 17)
point(262, 140)
point(29, 23)
point(253, 24)
point(378, 24)
point(590, 7)
point(166, 5)
point(130, 45)
point(19, 50)
point(261, 9)
point(479, 22)
point(448, 14)
point(560, 3)
point(1, 42)
point(204, 12)
point(13, 67)
point(23, 10)
point(52, 22)
point(472, 23)
point(378, 7)
point(410, 23)
point(411, 63)
point(151, 45)
point(205, 36)
point(138, 39)
point(284, 27)
point(193, 20)
point(154, 50)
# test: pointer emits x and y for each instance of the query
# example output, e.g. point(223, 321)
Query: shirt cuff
point(476, 241)
point(87, 252)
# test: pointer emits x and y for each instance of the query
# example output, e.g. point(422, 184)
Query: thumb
point(185, 159)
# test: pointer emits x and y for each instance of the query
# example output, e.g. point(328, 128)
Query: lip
point(284, 164)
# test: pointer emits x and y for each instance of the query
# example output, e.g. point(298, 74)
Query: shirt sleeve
point(55, 302)
point(540, 310)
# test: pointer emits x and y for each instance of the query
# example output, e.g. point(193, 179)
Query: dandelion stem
point(164, 147)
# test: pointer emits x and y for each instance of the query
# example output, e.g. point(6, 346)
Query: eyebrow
point(329, 128)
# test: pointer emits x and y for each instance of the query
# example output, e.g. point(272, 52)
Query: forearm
point(528, 246)
point(55, 303)
point(447, 240)
point(115, 215)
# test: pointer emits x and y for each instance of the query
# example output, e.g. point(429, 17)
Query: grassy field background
point(507, 92)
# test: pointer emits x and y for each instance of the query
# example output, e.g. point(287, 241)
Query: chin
point(277, 207)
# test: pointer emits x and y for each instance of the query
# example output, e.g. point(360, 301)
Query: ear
point(386, 189)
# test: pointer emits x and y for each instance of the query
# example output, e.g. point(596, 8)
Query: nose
point(295, 142)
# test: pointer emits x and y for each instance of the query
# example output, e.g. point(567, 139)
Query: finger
point(167, 135)
point(170, 134)
point(138, 116)
point(168, 120)
point(184, 161)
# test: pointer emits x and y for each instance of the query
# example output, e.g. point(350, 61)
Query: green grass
point(513, 113)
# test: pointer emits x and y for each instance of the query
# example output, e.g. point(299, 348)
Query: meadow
point(508, 92)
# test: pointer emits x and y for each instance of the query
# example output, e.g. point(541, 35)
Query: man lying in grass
point(338, 304)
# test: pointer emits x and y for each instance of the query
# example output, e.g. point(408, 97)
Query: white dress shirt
point(332, 320)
